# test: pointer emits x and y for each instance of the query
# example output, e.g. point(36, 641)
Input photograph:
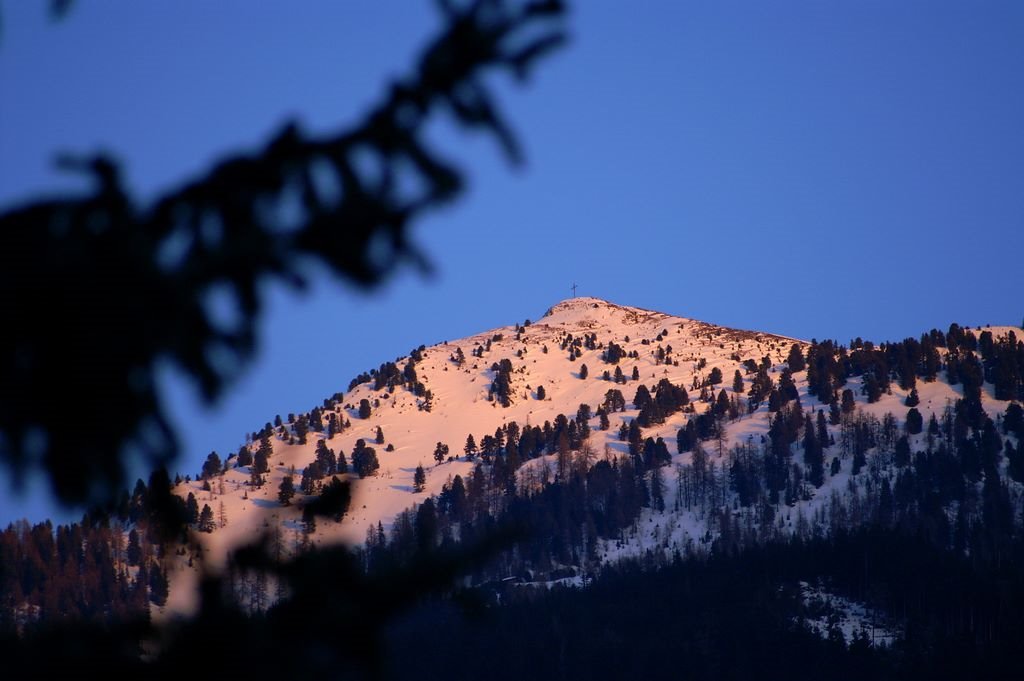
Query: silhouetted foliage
point(440, 452)
point(286, 490)
point(364, 459)
point(97, 290)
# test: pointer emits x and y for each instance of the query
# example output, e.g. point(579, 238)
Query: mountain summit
point(677, 421)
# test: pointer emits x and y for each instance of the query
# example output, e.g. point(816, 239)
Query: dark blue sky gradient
point(811, 169)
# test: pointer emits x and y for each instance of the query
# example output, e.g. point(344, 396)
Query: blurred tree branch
point(96, 290)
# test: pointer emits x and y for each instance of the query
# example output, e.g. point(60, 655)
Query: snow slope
point(461, 406)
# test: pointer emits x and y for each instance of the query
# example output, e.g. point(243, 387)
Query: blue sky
point(811, 169)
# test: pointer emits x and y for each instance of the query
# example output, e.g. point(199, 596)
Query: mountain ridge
point(526, 375)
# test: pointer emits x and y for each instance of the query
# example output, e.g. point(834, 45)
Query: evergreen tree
point(364, 459)
point(915, 422)
point(683, 440)
point(848, 403)
point(635, 438)
point(244, 457)
point(737, 383)
point(470, 448)
point(327, 462)
point(715, 377)
point(264, 451)
point(191, 509)
point(419, 479)
point(380, 435)
point(440, 452)
point(872, 387)
point(211, 467)
point(642, 398)
point(657, 489)
point(364, 408)
point(859, 460)
point(286, 490)
point(311, 474)
point(722, 405)
point(813, 454)
point(206, 523)
point(426, 525)
point(540, 392)
point(614, 401)
point(260, 465)
point(912, 398)
point(301, 429)
point(795, 360)
point(583, 371)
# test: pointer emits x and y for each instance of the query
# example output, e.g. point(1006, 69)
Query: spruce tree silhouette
point(96, 289)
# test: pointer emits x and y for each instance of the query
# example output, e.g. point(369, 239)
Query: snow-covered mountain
point(529, 373)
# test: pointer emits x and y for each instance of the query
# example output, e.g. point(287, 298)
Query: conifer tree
point(325, 458)
point(364, 459)
point(260, 465)
point(192, 509)
point(657, 489)
point(286, 491)
point(244, 456)
point(823, 438)
point(419, 479)
point(206, 523)
point(211, 467)
point(265, 449)
point(813, 454)
point(301, 429)
point(795, 360)
point(915, 422)
point(848, 403)
point(440, 452)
